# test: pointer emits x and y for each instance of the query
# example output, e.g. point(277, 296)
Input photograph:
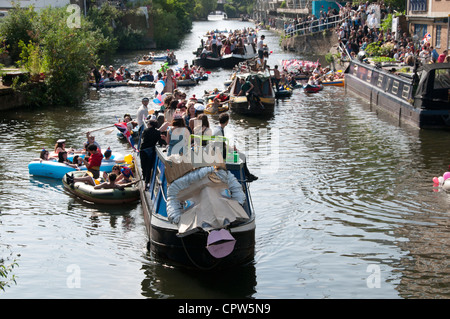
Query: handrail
point(309, 26)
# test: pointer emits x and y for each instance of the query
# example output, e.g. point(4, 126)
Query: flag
point(340, 7)
point(426, 38)
point(122, 127)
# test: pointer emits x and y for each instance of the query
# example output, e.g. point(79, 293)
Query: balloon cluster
point(159, 87)
point(439, 181)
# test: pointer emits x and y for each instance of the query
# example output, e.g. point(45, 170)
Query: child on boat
point(62, 158)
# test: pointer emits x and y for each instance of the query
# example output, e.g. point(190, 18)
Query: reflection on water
point(340, 192)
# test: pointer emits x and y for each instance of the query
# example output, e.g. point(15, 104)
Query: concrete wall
point(6, 4)
point(318, 43)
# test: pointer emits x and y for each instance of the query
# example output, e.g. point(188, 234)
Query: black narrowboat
point(420, 99)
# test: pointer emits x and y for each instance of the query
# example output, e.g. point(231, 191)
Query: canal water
point(345, 204)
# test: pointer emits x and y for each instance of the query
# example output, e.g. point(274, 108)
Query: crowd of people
point(220, 43)
point(120, 74)
point(361, 29)
point(173, 124)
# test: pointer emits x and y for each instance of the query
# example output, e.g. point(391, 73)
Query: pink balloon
point(435, 180)
point(446, 175)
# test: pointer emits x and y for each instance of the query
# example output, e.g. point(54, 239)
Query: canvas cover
point(212, 200)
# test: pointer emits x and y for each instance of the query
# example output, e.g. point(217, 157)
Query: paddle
point(101, 128)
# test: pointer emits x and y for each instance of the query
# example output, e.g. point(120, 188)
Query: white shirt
point(142, 115)
point(261, 45)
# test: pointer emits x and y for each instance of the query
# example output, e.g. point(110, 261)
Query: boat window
point(380, 80)
point(369, 76)
point(395, 87)
point(442, 79)
point(405, 92)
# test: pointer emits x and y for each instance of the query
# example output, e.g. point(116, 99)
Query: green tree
point(17, 26)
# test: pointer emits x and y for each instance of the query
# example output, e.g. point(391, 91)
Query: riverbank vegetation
point(58, 47)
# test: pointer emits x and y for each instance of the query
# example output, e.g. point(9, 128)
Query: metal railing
point(314, 26)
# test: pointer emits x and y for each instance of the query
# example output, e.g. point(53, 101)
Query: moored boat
point(217, 15)
point(261, 101)
point(196, 215)
point(112, 196)
point(420, 100)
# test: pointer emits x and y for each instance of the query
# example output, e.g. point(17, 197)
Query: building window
point(420, 30)
point(418, 5)
point(438, 36)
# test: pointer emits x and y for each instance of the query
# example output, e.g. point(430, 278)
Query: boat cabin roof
point(434, 78)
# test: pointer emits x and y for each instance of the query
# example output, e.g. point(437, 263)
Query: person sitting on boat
point(213, 107)
point(205, 53)
point(283, 82)
point(43, 156)
point(147, 76)
point(111, 183)
point(107, 156)
point(118, 77)
point(60, 146)
point(291, 81)
point(91, 140)
point(226, 48)
point(62, 158)
point(77, 160)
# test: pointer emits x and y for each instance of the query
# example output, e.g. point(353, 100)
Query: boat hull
point(225, 62)
point(189, 251)
point(240, 105)
point(390, 95)
point(283, 94)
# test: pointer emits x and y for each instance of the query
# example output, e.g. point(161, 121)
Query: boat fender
point(220, 243)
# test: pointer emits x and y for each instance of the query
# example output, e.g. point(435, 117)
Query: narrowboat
point(198, 214)
point(420, 99)
point(228, 61)
point(261, 101)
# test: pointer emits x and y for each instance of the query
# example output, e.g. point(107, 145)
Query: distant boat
point(217, 15)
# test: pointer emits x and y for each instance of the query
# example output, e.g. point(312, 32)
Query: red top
point(95, 160)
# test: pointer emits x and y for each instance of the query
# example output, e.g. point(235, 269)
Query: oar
point(102, 128)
